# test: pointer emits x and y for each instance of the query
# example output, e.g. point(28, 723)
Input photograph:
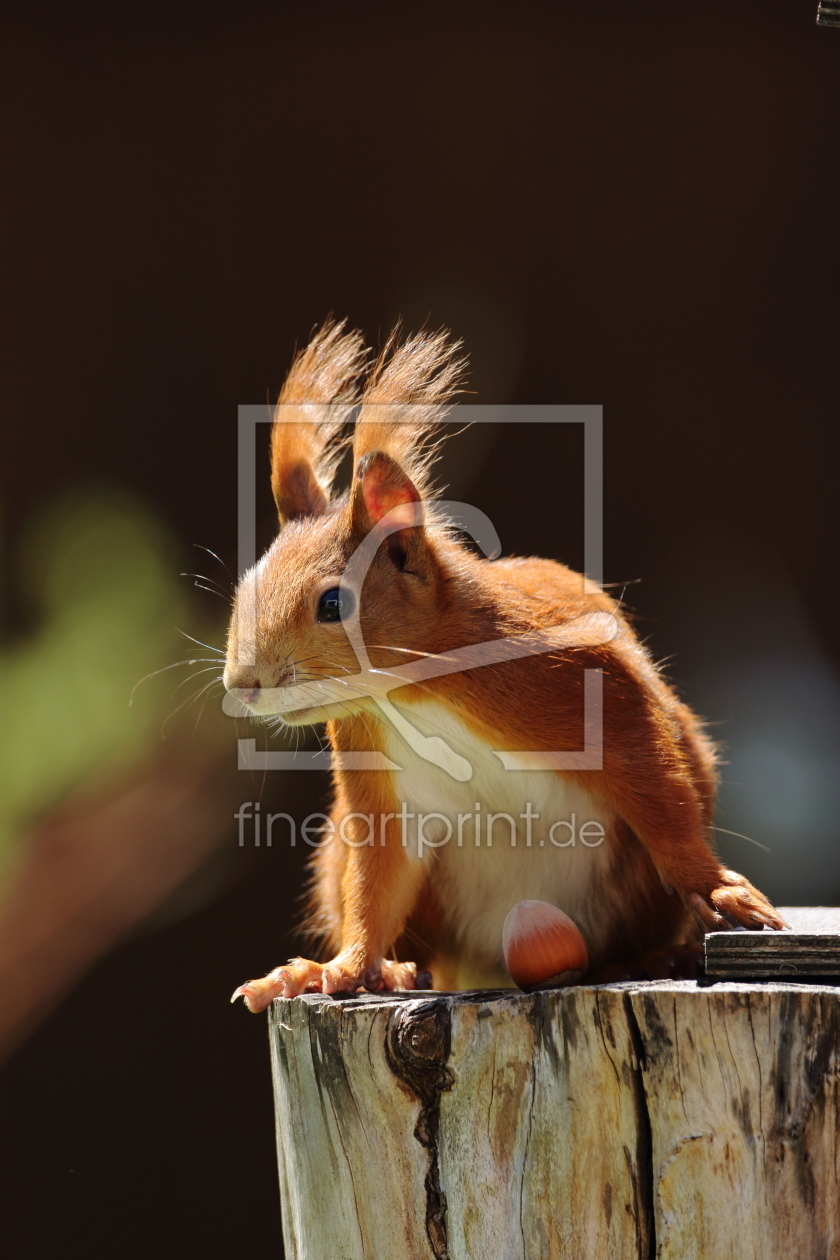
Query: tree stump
point(628, 1120)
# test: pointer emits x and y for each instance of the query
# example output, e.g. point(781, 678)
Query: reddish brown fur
point(313, 406)
point(405, 396)
point(426, 593)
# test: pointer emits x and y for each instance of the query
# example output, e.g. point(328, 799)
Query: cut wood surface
point(628, 1120)
point(810, 948)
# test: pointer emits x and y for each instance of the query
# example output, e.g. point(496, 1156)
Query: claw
point(244, 991)
point(707, 916)
point(259, 994)
point(734, 902)
point(397, 975)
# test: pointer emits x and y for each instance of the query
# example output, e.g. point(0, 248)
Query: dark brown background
point(632, 204)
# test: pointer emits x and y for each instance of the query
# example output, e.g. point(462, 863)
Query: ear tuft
point(405, 399)
point(306, 438)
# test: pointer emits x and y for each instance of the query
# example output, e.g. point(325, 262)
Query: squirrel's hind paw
point(735, 900)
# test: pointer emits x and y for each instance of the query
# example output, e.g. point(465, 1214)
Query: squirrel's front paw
point(298, 976)
point(734, 898)
point(391, 975)
point(344, 975)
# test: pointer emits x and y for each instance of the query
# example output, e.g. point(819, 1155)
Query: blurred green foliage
point(100, 575)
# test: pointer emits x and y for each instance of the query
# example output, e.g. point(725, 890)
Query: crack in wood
point(417, 1047)
point(643, 1179)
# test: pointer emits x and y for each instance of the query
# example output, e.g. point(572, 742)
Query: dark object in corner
point(828, 13)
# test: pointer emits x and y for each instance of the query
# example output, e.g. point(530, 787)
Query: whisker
point(202, 576)
point(204, 705)
point(360, 683)
point(741, 836)
point(314, 656)
point(199, 587)
point(357, 680)
point(209, 646)
point(215, 589)
point(276, 722)
point(386, 673)
point(184, 703)
point(341, 704)
point(198, 660)
point(198, 674)
point(437, 656)
point(201, 547)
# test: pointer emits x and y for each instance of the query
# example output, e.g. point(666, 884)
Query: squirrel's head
point(362, 572)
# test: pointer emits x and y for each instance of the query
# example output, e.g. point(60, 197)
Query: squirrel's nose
point(245, 686)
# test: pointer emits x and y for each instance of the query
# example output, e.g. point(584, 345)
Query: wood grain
point(628, 1120)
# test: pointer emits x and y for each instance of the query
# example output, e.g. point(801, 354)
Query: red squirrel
point(646, 879)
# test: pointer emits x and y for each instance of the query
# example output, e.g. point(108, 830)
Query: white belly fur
point(478, 884)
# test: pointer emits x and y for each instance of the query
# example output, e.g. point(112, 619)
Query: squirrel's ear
point(296, 489)
point(381, 486)
point(306, 437)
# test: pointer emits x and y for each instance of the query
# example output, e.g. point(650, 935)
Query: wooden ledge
point(810, 948)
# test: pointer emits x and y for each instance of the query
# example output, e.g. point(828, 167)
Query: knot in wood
point(417, 1047)
point(420, 1037)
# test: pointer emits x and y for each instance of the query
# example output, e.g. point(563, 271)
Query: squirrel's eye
point(335, 604)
